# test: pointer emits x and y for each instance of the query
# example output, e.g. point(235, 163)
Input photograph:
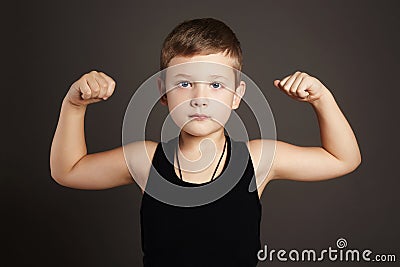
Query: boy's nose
point(199, 93)
point(199, 102)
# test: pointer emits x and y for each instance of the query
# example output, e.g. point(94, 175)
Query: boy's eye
point(184, 84)
point(216, 85)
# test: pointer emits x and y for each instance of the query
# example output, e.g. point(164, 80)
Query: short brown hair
point(201, 37)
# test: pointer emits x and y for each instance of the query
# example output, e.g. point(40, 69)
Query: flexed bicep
point(306, 163)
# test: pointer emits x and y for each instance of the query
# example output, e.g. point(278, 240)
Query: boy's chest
point(202, 173)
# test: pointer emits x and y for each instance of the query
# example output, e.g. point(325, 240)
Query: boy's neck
point(190, 145)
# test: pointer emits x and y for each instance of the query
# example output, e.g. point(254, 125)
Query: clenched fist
point(302, 87)
point(92, 87)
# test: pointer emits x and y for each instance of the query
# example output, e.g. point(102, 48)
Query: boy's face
point(200, 92)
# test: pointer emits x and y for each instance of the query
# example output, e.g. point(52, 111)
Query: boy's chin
point(201, 130)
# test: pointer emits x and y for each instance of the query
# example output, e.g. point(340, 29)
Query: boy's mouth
point(198, 116)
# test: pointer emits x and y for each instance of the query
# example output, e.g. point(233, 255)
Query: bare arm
point(68, 146)
point(339, 153)
point(70, 164)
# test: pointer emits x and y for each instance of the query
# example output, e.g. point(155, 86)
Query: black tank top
point(225, 232)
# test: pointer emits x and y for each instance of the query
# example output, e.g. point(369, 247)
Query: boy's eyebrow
point(183, 75)
point(211, 76)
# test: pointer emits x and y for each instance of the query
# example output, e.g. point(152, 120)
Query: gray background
point(351, 46)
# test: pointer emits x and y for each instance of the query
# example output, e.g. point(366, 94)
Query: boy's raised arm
point(339, 153)
point(70, 164)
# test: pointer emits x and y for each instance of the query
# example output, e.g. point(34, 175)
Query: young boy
point(224, 232)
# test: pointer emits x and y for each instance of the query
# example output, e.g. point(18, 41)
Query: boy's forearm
point(68, 145)
point(337, 137)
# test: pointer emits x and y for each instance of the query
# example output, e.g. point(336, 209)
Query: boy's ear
point(161, 89)
point(239, 92)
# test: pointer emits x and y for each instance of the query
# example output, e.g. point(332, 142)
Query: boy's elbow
point(353, 164)
point(59, 177)
point(59, 180)
point(55, 172)
point(358, 161)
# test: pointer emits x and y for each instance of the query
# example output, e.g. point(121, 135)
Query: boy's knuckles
point(84, 90)
point(308, 79)
point(103, 91)
point(94, 85)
